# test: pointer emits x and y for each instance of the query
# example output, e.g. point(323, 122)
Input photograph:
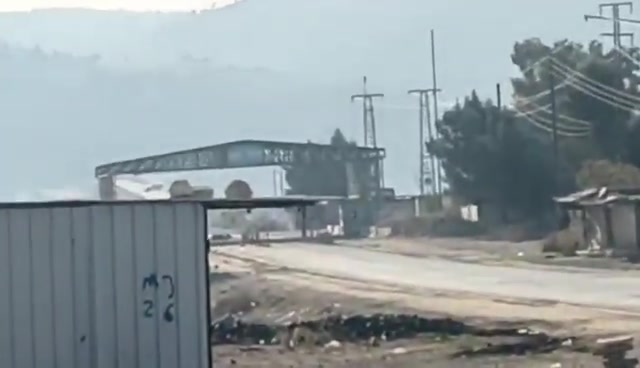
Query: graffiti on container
point(165, 300)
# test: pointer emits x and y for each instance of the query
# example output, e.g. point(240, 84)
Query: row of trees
point(506, 154)
point(325, 178)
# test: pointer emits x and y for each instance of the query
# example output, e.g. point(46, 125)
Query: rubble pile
point(384, 326)
point(373, 330)
point(232, 330)
point(530, 343)
point(614, 352)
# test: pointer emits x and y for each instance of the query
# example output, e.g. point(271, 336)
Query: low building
point(608, 219)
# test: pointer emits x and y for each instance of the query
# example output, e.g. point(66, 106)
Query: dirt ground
point(273, 298)
point(524, 253)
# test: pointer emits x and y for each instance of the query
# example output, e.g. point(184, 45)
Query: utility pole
point(500, 126)
point(617, 33)
point(425, 174)
point(503, 149)
point(370, 140)
point(497, 130)
point(368, 116)
point(435, 90)
point(554, 127)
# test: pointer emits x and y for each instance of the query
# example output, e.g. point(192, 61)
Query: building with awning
point(607, 218)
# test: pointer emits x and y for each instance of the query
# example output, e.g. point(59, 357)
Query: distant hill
point(335, 38)
point(125, 84)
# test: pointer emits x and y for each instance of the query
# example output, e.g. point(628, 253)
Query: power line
point(621, 95)
point(594, 88)
point(546, 126)
point(531, 111)
point(543, 59)
point(616, 34)
point(528, 99)
point(533, 108)
point(574, 125)
point(595, 93)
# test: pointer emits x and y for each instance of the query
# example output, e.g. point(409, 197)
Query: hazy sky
point(135, 5)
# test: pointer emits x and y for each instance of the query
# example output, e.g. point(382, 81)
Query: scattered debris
point(614, 352)
point(528, 344)
point(333, 331)
point(399, 351)
point(333, 344)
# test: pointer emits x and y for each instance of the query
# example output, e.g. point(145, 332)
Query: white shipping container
point(104, 285)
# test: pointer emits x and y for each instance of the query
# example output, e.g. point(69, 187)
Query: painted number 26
point(149, 309)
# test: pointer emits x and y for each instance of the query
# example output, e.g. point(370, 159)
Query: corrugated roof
point(266, 202)
point(600, 196)
point(577, 196)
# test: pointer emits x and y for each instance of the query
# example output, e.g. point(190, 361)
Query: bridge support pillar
point(106, 188)
point(303, 212)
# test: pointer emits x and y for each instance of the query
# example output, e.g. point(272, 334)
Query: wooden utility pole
point(503, 149)
point(617, 33)
point(554, 127)
point(425, 158)
point(368, 114)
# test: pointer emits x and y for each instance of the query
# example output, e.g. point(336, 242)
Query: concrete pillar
point(303, 211)
point(585, 232)
point(611, 241)
point(636, 207)
point(106, 188)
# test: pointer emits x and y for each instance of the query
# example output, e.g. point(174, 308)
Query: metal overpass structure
point(252, 153)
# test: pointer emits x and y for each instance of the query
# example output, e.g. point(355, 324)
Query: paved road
point(606, 288)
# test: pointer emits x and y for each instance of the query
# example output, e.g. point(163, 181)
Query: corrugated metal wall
point(104, 286)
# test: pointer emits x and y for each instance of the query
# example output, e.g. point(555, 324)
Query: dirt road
point(584, 299)
point(604, 288)
point(299, 281)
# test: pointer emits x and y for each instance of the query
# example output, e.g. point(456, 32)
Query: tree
point(488, 157)
point(589, 83)
point(506, 157)
point(326, 177)
point(602, 173)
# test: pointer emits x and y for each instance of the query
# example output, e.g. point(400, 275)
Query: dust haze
point(85, 87)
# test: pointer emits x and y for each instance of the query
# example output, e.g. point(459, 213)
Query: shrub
point(565, 242)
point(437, 224)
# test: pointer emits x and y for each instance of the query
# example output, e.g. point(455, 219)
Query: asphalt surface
point(618, 290)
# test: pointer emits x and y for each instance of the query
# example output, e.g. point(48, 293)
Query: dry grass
point(438, 225)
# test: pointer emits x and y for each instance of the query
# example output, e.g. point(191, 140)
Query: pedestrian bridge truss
point(239, 154)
